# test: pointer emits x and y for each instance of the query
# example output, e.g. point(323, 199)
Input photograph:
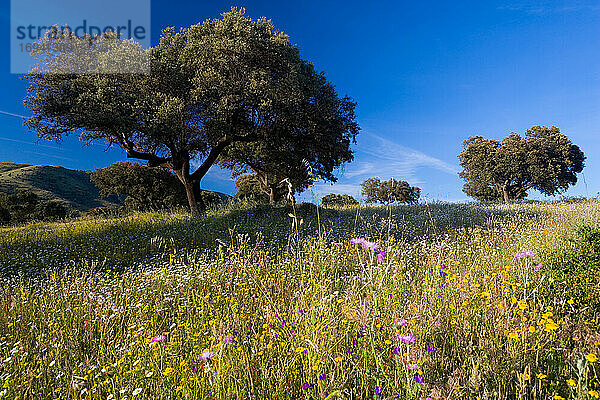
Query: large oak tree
point(544, 159)
point(231, 90)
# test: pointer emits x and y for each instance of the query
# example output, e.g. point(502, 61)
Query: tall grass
point(230, 307)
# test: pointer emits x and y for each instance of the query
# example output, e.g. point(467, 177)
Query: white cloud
point(377, 156)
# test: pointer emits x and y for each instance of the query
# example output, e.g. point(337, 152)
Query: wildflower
point(322, 377)
point(513, 335)
point(557, 397)
point(137, 391)
point(412, 367)
point(167, 371)
point(339, 359)
point(419, 379)
point(571, 382)
point(522, 304)
point(381, 257)
point(430, 348)
point(159, 338)
point(594, 394)
point(378, 390)
point(206, 354)
point(306, 386)
point(524, 254)
point(591, 357)
point(525, 377)
point(400, 322)
point(537, 267)
point(396, 351)
point(365, 244)
point(228, 339)
point(407, 338)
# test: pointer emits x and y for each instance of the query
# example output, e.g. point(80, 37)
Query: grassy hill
point(52, 182)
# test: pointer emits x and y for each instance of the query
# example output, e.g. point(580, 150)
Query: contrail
point(13, 115)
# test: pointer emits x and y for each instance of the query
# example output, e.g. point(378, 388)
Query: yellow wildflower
point(591, 357)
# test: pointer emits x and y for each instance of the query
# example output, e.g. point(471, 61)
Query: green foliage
point(25, 206)
point(146, 188)
point(231, 90)
point(544, 160)
point(390, 191)
point(333, 199)
point(576, 271)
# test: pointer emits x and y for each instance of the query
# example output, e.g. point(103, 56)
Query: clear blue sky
point(426, 76)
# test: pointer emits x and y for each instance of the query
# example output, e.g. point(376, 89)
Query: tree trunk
point(189, 191)
point(505, 194)
point(271, 195)
point(184, 176)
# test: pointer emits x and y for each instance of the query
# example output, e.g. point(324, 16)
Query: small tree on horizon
point(333, 199)
point(390, 191)
point(544, 159)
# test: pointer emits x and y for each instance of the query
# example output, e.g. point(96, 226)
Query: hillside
point(52, 182)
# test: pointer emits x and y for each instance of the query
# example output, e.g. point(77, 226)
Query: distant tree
point(215, 90)
point(544, 160)
point(333, 199)
point(146, 188)
point(390, 191)
point(25, 205)
point(250, 187)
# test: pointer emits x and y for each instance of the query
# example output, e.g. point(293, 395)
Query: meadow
point(442, 301)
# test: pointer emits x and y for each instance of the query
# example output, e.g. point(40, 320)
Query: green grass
point(280, 298)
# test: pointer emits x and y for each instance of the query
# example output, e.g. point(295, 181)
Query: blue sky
point(426, 76)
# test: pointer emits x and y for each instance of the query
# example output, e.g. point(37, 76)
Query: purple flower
point(381, 257)
point(355, 342)
point(407, 338)
point(412, 367)
point(228, 339)
point(206, 354)
point(396, 351)
point(195, 370)
point(400, 322)
point(378, 390)
point(430, 348)
point(357, 241)
point(537, 267)
point(323, 377)
point(365, 244)
point(306, 386)
point(419, 378)
point(524, 254)
point(300, 311)
point(158, 338)
point(443, 266)
point(431, 270)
